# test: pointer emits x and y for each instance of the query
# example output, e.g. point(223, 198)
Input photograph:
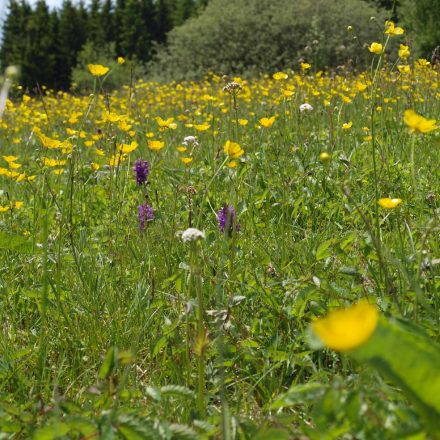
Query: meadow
point(168, 252)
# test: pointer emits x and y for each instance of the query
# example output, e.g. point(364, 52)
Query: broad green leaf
point(84, 426)
point(14, 242)
point(324, 250)
point(53, 430)
point(412, 361)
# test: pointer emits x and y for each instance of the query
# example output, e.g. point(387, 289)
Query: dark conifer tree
point(137, 29)
point(183, 10)
point(118, 20)
point(163, 20)
point(39, 63)
point(107, 21)
point(72, 35)
point(95, 31)
point(14, 33)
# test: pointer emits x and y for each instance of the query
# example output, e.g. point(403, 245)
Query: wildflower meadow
point(226, 258)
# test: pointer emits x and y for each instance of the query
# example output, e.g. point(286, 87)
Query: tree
point(39, 61)
point(163, 20)
point(14, 33)
point(72, 35)
point(95, 31)
point(250, 36)
point(421, 19)
point(137, 29)
point(107, 21)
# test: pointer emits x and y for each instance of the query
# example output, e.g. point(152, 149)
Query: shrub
point(251, 36)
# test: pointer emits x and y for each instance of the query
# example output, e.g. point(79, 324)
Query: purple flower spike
point(225, 219)
point(146, 214)
point(141, 171)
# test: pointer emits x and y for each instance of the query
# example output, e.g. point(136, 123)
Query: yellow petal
point(346, 329)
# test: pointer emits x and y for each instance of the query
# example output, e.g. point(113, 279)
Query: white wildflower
point(305, 107)
point(192, 234)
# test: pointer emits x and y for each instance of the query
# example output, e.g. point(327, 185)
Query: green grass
point(99, 320)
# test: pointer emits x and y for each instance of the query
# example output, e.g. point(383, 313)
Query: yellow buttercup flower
point(186, 160)
point(121, 60)
point(156, 145)
point(233, 149)
point(267, 122)
point(305, 66)
point(280, 76)
point(166, 123)
point(392, 30)
point(10, 158)
point(347, 125)
point(97, 69)
point(421, 62)
point(202, 127)
point(4, 208)
point(349, 328)
point(389, 203)
point(404, 52)
point(376, 48)
point(243, 122)
point(128, 148)
point(14, 165)
point(418, 123)
point(232, 164)
point(404, 68)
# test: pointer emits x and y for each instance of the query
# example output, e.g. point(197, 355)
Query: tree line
point(46, 43)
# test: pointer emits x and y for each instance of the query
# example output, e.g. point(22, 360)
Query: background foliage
point(181, 39)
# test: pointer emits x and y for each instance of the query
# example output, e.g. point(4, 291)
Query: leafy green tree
point(252, 36)
point(421, 19)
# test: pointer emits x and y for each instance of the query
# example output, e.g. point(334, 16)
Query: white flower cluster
point(191, 234)
point(305, 107)
point(233, 87)
point(190, 141)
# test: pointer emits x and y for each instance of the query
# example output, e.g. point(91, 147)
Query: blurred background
point(53, 40)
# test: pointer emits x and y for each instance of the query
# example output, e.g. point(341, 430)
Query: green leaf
point(182, 432)
point(53, 430)
point(82, 425)
point(109, 364)
point(136, 428)
point(14, 242)
point(299, 394)
point(272, 434)
point(411, 360)
point(324, 250)
point(177, 391)
point(161, 343)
